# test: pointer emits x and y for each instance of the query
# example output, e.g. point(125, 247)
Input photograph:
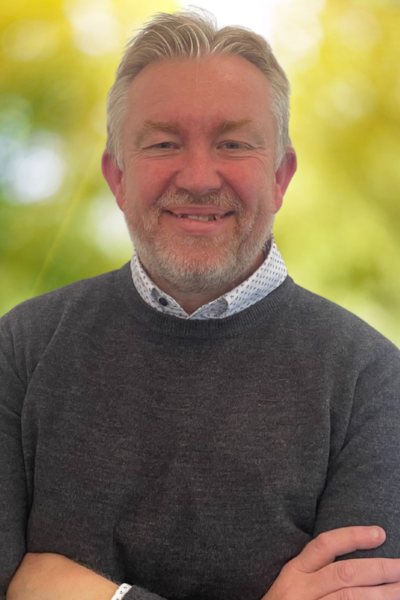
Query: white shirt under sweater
point(262, 282)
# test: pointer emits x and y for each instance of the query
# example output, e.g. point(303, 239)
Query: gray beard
point(205, 273)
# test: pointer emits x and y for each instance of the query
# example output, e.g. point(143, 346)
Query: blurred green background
point(339, 228)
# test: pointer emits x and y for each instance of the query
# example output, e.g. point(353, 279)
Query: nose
point(198, 173)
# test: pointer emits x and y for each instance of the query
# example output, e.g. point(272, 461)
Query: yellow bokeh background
point(339, 228)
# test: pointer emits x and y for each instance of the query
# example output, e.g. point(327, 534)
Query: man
point(193, 423)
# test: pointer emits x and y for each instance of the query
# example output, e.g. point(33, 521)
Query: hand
point(54, 577)
point(312, 575)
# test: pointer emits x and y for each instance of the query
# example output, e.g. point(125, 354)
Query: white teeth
point(200, 217)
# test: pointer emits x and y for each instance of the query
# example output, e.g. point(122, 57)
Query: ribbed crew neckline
point(161, 323)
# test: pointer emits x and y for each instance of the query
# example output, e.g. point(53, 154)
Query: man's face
point(199, 143)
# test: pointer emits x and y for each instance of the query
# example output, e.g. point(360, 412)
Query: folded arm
point(48, 576)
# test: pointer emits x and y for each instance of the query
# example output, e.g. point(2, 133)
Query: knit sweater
point(192, 459)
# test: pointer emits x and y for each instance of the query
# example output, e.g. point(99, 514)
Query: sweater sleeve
point(363, 482)
point(138, 593)
point(13, 489)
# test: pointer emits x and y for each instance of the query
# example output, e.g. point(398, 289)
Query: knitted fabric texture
point(192, 459)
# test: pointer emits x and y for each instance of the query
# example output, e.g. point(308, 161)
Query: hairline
point(278, 83)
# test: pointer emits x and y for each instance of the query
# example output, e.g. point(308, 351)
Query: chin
point(196, 271)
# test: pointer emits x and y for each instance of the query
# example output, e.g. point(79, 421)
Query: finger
point(383, 592)
point(354, 573)
point(328, 545)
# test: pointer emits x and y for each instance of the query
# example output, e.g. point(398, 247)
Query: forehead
point(200, 91)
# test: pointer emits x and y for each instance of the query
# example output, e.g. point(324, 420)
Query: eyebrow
point(226, 126)
point(149, 125)
point(167, 126)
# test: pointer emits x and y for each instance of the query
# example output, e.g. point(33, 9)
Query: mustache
point(224, 200)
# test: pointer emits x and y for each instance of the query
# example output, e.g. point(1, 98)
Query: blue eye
point(234, 146)
point(166, 145)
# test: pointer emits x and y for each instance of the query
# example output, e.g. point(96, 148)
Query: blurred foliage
point(339, 229)
point(58, 221)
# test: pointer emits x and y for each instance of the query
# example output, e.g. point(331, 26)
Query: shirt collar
point(262, 282)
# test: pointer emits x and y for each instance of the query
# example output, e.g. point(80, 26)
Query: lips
point(194, 224)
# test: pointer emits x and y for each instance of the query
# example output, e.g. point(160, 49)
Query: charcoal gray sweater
point(192, 459)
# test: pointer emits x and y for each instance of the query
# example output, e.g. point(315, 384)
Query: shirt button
point(163, 301)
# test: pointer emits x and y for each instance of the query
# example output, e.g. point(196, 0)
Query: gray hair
point(189, 35)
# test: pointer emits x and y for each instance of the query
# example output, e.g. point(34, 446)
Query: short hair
point(191, 35)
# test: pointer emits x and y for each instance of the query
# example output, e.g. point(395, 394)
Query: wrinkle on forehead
point(213, 93)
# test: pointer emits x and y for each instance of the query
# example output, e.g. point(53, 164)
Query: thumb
point(323, 550)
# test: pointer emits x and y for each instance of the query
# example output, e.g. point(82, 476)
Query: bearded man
point(195, 425)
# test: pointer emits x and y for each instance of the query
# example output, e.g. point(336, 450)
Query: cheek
point(148, 181)
point(251, 185)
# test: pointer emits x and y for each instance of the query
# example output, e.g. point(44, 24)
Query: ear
point(113, 175)
point(283, 175)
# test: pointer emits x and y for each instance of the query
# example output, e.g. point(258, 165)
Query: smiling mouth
point(200, 217)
